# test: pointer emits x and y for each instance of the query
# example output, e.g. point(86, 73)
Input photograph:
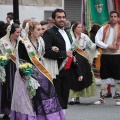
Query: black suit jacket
point(52, 37)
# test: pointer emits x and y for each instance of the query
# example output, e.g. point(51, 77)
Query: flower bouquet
point(27, 70)
point(3, 63)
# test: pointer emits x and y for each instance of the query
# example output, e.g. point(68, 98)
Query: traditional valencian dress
point(85, 52)
point(44, 105)
point(9, 51)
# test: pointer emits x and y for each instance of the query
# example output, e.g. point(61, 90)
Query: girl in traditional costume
point(8, 47)
point(85, 52)
point(44, 104)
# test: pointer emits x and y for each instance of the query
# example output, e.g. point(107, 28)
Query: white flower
point(32, 85)
point(2, 75)
point(74, 45)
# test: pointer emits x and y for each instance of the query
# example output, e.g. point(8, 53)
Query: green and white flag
point(99, 11)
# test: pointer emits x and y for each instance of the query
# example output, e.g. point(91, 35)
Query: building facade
point(41, 9)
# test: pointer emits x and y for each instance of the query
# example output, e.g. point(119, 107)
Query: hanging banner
point(117, 5)
point(99, 11)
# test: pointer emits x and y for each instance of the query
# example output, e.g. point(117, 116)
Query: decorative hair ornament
point(24, 32)
point(27, 28)
point(9, 27)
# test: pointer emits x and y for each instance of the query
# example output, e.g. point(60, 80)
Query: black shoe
point(108, 95)
point(116, 95)
point(6, 117)
point(77, 102)
point(71, 102)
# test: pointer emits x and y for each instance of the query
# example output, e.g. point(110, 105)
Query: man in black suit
point(57, 36)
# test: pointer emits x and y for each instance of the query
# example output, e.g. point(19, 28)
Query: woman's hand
point(80, 78)
point(55, 49)
point(25, 77)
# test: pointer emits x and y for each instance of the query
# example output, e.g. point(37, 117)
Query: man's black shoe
point(115, 96)
point(71, 102)
point(77, 102)
point(108, 95)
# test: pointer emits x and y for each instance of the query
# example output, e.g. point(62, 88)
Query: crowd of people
point(48, 62)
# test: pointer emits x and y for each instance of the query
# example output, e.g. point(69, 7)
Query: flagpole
point(16, 11)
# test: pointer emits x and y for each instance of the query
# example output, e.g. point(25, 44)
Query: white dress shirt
point(109, 41)
point(67, 41)
point(99, 37)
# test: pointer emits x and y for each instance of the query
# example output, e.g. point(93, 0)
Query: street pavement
point(88, 111)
